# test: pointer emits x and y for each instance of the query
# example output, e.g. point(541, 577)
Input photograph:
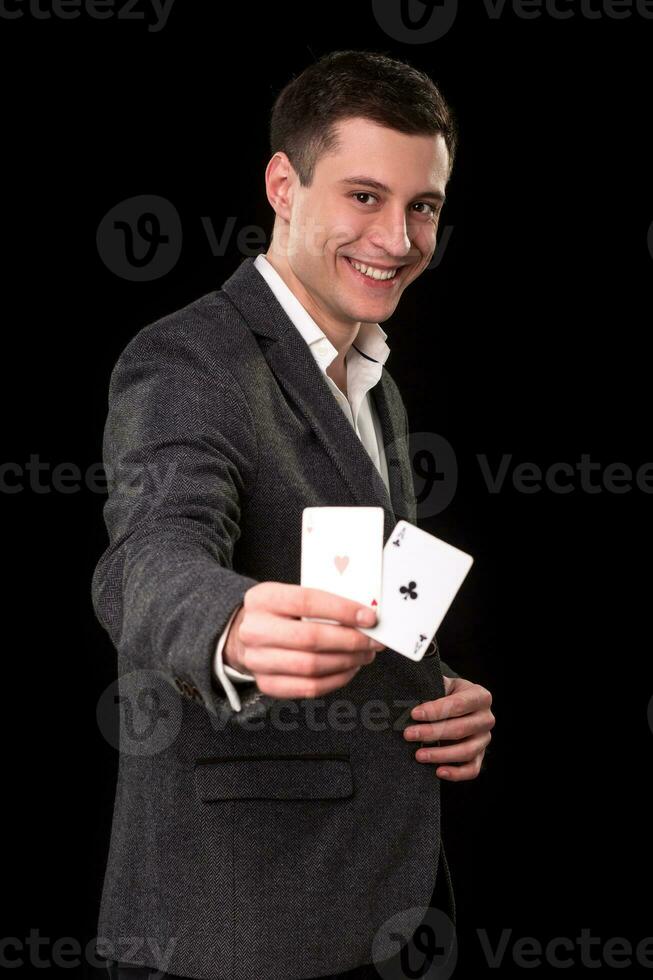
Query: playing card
point(342, 550)
point(421, 576)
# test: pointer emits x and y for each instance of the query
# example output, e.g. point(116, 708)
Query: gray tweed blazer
point(274, 842)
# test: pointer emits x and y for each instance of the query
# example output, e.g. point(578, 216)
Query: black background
point(529, 339)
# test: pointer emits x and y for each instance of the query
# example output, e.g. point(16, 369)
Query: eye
point(362, 194)
point(424, 204)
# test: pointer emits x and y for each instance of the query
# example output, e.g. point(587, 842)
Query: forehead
point(394, 158)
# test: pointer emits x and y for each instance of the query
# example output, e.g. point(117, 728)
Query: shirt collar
point(370, 341)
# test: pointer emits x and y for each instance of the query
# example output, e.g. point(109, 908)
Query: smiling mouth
point(374, 275)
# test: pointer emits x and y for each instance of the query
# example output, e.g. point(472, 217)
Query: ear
point(280, 179)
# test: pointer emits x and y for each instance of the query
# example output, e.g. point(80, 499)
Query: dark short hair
point(347, 84)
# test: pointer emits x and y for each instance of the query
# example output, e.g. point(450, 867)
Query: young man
point(270, 837)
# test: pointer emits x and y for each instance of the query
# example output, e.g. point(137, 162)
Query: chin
point(373, 312)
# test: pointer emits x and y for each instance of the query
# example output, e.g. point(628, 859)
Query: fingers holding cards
point(275, 629)
point(292, 656)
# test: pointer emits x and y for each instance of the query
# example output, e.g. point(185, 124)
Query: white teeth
point(373, 273)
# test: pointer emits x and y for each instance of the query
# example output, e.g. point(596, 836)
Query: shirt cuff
point(224, 672)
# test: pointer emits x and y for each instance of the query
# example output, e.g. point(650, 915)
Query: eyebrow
point(377, 185)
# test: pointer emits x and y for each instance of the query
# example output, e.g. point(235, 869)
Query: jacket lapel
point(294, 367)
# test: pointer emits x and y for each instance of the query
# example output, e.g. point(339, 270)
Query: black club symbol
point(409, 590)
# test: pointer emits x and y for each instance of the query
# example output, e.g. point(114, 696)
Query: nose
point(389, 233)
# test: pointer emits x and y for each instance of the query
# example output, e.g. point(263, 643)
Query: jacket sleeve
point(180, 452)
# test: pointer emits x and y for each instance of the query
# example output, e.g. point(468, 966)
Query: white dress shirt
point(364, 361)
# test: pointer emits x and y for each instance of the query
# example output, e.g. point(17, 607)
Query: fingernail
point(418, 713)
point(366, 617)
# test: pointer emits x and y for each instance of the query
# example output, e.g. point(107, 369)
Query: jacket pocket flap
point(274, 778)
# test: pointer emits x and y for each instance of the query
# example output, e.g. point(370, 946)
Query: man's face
point(344, 217)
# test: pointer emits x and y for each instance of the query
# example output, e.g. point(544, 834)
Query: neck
point(340, 333)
